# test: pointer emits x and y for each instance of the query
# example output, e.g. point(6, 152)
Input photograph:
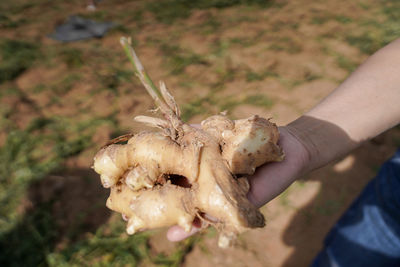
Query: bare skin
point(363, 106)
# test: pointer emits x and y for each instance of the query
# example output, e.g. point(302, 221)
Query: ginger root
point(173, 176)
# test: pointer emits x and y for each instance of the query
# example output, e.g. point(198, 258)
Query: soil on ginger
point(292, 53)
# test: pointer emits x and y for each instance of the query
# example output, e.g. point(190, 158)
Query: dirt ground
point(275, 61)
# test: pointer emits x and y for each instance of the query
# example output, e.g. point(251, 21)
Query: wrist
point(300, 155)
point(322, 140)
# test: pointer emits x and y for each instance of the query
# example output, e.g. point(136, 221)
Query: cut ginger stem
point(170, 177)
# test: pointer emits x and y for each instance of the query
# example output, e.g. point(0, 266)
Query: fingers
point(176, 233)
point(273, 178)
point(268, 182)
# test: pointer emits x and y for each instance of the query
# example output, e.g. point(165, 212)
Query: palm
point(272, 179)
point(269, 180)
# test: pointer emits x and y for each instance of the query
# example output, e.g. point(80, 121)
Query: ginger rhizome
point(172, 176)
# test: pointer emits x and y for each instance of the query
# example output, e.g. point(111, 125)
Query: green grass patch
point(16, 57)
point(210, 26)
point(196, 107)
point(343, 19)
point(220, 48)
point(320, 19)
point(391, 9)
point(27, 156)
point(16, 7)
point(108, 246)
point(31, 153)
point(259, 100)
point(113, 78)
point(345, 63)
point(245, 42)
point(375, 35)
point(73, 57)
point(31, 239)
point(167, 11)
point(252, 76)
point(59, 87)
point(367, 42)
point(286, 44)
point(177, 58)
point(7, 22)
point(119, 28)
point(284, 198)
point(23, 159)
point(66, 84)
point(111, 246)
point(98, 15)
point(177, 257)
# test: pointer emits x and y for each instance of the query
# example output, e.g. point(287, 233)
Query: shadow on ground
point(57, 211)
point(340, 183)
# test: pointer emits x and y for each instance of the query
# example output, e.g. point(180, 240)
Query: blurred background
point(61, 101)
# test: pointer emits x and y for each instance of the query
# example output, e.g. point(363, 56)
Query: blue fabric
point(368, 234)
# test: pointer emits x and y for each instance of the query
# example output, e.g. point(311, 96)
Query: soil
point(301, 58)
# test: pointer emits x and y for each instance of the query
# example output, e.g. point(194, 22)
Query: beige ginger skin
point(166, 178)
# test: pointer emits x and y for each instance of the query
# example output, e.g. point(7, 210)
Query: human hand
point(269, 180)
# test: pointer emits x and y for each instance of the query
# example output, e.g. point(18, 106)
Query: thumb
point(176, 233)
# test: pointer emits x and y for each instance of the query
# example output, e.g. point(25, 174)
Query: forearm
point(365, 105)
